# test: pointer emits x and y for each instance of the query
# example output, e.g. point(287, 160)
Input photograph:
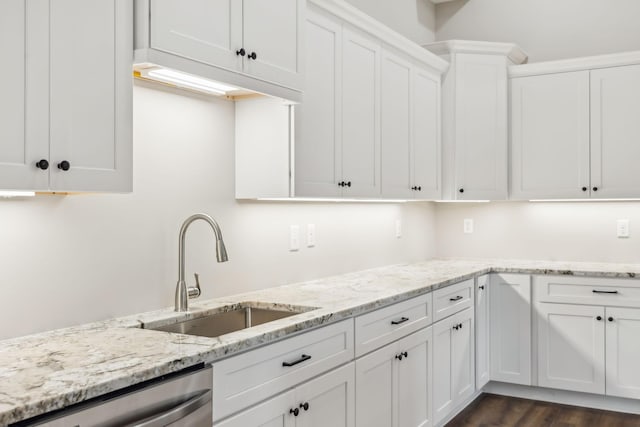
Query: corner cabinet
point(475, 118)
point(240, 42)
point(575, 128)
point(72, 131)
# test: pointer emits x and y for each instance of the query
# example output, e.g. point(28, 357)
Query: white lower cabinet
point(393, 384)
point(453, 360)
point(622, 352)
point(324, 401)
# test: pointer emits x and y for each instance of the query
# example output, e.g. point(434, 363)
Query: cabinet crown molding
point(510, 50)
point(364, 22)
point(576, 64)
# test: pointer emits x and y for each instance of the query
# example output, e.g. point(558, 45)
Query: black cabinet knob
point(414, 188)
point(461, 190)
point(241, 52)
point(599, 318)
point(402, 355)
point(481, 287)
point(584, 188)
point(305, 406)
point(348, 183)
point(64, 165)
point(341, 184)
point(252, 55)
point(455, 327)
point(595, 188)
point(294, 411)
point(419, 188)
point(42, 164)
point(610, 319)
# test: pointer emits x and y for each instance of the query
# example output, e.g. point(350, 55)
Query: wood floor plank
point(490, 410)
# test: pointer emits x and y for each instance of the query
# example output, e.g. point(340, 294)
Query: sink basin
point(228, 321)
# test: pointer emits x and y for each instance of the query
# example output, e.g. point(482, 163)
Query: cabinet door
point(462, 356)
point(396, 121)
point(481, 127)
point(91, 111)
point(360, 115)
point(571, 347)
point(24, 113)
point(329, 400)
point(623, 348)
point(274, 412)
point(615, 132)
point(318, 156)
point(510, 328)
point(550, 136)
point(208, 31)
point(271, 30)
point(482, 331)
point(375, 385)
point(443, 396)
point(415, 380)
point(425, 127)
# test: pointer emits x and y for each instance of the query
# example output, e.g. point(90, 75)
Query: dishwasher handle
point(177, 412)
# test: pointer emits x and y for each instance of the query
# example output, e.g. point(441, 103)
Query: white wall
point(76, 259)
point(414, 19)
point(571, 231)
point(545, 29)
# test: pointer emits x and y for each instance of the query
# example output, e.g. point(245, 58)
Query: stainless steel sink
point(228, 321)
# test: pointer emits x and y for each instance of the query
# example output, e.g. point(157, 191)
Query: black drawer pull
point(302, 358)
point(458, 298)
point(595, 291)
point(401, 320)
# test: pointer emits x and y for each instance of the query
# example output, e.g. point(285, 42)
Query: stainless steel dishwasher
point(180, 400)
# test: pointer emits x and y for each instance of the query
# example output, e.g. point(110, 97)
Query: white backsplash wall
point(75, 259)
point(571, 231)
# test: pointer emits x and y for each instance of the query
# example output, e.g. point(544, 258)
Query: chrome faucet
point(183, 293)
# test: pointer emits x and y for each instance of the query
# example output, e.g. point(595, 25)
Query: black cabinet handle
point(595, 291)
point(610, 319)
point(481, 287)
point(344, 184)
point(294, 411)
point(305, 406)
point(302, 358)
point(252, 55)
point(595, 188)
point(461, 190)
point(42, 164)
point(241, 52)
point(399, 321)
point(599, 318)
point(458, 298)
point(584, 188)
point(64, 165)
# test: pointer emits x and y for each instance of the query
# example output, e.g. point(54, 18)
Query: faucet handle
point(195, 291)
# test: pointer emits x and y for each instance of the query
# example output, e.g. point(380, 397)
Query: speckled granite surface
point(48, 371)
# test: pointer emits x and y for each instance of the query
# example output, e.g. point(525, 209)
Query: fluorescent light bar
point(322, 200)
point(462, 201)
point(10, 194)
point(188, 81)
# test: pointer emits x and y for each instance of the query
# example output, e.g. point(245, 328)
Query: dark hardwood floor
point(490, 410)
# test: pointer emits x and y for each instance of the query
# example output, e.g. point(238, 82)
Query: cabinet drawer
point(452, 299)
point(380, 327)
point(587, 290)
point(251, 377)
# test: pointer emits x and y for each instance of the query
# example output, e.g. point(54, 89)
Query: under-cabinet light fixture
point(337, 200)
point(462, 201)
point(583, 200)
point(12, 194)
point(188, 81)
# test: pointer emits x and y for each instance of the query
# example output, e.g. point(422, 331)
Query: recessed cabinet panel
point(443, 398)
point(375, 388)
point(615, 132)
point(318, 157)
point(91, 110)
point(272, 413)
point(482, 331)
point(360, 114)
point(623, 349)
point(425, 156)
point(571, 347)
point(212, 35)
point(550, 136)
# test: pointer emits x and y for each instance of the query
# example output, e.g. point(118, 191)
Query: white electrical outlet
point(398, 228)
point(468, 226)
point(311, 235)
point(294, 238)
point(623, 228)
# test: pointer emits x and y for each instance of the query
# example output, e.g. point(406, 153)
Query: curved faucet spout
point(183, 293)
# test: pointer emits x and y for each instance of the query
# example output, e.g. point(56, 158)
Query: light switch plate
point(294, 238)
point(622, 230)
point(311, 235)
point(468, 226)
point(398, 228)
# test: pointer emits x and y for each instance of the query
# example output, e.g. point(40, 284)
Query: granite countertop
point(51, 370)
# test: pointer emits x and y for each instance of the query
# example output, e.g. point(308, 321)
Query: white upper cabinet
point(72, 130)
point(254, 44)
point(615, 132)
point(575, 128)
point(550, 136)
point(475, 114)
